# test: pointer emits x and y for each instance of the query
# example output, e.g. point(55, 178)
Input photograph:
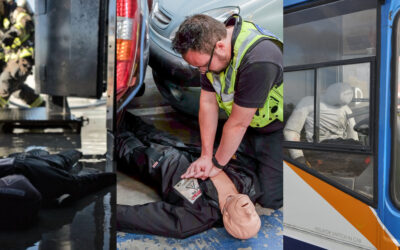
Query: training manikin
point(238, 212)
point(188, 206)
point(336, 121)
point(31, 179)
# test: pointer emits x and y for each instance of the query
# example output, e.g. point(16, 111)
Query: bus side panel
point(289, 3)
point(324, 216)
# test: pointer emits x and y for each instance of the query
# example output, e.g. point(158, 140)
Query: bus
point(342, 126)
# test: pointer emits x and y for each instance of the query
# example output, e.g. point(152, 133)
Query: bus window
point(330, 54)
point(304, 87)
point(344, 102)
point(395, 173)
point(330, 32)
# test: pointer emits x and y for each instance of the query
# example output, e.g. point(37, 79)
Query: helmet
point(21, 3)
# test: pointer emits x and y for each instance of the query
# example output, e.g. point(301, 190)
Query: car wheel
point(180, 98)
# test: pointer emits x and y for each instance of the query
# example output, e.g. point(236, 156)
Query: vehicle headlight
point(154, 9)
point(172, 35)
point(221, 14)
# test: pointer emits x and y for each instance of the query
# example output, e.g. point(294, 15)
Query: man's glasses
point(211, 57)
point(208, 64)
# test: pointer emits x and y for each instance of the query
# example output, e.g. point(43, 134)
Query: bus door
point(335, 165)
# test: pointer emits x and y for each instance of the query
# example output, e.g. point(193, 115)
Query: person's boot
point(126, 142)
point(71, 158)
point(86, 184)
point(67, 160)
point(36, 151)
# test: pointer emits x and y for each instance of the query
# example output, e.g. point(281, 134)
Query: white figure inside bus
point(335, 125)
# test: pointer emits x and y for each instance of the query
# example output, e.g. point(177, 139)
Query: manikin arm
point(351, 133)
point(178, 220)
point(224, 186)
point(162, 218)
point(295, 124)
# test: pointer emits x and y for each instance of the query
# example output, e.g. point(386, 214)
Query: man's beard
point(225, 60)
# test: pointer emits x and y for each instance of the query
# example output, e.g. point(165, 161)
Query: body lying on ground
point(32, 179)
point(188, 206)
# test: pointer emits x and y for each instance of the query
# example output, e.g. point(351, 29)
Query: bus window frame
point(373, 109)
point(393, 180)
point(315, 145)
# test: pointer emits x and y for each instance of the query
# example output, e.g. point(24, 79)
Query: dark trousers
point(266, 150)
point(48, 174)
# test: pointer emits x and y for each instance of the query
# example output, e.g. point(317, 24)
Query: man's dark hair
point(199, 33)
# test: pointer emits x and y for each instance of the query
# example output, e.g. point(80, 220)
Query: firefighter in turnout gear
point(241, 67)
point(17, 36)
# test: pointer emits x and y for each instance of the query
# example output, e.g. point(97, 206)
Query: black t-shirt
point(260, 69)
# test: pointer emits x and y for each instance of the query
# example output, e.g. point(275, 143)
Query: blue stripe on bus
point(287, 3)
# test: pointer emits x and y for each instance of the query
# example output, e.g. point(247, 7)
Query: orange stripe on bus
point(356, 212)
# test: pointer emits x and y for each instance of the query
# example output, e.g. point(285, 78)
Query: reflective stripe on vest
point(18, 41)
point(224, 82)
point(6, 23)
point(37, 102)
point(18, 23)
point(3, 102)
point(25, 52)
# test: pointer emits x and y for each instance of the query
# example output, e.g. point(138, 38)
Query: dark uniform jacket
point(29, 180)
point(159, 160)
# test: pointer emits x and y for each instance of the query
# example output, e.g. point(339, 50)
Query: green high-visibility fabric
point(224, 82)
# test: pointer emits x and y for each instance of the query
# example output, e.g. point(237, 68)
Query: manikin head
point(240, 217)
point(204, 43)
point(338, 94)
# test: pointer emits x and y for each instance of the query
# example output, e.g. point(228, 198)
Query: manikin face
point(240, 217)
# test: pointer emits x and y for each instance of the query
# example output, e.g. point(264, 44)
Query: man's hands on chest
point(201, 168)
point(232, 135)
